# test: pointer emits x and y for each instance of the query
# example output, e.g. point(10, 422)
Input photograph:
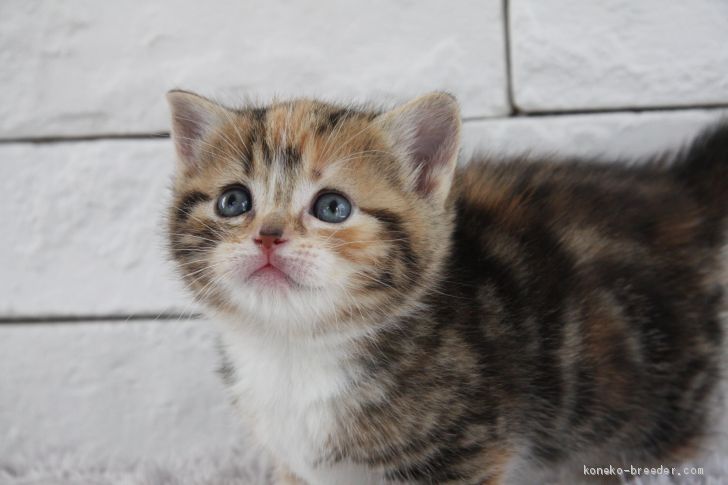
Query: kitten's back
point(615, 271)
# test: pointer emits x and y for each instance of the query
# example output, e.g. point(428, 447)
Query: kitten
point(390, 317)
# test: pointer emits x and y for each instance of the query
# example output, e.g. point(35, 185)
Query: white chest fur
point(288, 391)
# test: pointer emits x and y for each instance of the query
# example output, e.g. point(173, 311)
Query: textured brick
point(575, 54)
point(81, 67)
point(82, 228)
point(608, 135)
point(123, 392)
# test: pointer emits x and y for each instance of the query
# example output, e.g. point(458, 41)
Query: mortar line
point(509, 68)
point(467, 119)
point(617, 110)
point(116, 318)
point(80, 138)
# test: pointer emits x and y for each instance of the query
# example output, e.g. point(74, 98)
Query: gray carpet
point(245, 466)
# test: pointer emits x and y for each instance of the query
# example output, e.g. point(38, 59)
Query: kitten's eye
point(332, 207)
point(234, 201)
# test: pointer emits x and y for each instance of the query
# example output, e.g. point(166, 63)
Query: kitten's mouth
point(270, 275)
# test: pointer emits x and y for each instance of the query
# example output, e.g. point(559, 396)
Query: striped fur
point(460, 321)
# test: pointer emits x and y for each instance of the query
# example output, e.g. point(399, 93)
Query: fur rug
point(236, 467)
point(247, 467)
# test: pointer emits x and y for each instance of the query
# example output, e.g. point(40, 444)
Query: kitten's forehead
point(308, 135)
point(285, 149)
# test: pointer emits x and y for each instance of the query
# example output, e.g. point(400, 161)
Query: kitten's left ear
point(426, 134)
point(194, 118)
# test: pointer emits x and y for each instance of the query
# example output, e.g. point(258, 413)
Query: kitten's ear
point(193, 119)
point(426, 133)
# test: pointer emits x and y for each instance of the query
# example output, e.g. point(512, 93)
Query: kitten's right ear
point(193, 119)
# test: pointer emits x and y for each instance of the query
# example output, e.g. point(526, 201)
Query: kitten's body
point(537, 312)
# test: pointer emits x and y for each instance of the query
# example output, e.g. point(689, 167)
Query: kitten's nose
point(268, 241)
point(269, 236)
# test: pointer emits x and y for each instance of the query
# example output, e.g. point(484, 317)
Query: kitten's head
point(304, 215)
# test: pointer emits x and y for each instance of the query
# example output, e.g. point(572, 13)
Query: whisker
point(345, 243)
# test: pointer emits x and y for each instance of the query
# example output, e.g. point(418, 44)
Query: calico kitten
point(390, 317)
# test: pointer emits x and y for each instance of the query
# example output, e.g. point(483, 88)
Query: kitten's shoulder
point(670, 190)
point(511, 190)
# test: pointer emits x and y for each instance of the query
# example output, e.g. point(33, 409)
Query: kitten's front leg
point(283, 476)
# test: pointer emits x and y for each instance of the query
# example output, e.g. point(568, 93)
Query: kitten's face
point(305, 215)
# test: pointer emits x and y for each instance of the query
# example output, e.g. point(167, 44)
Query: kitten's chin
point(270, 301)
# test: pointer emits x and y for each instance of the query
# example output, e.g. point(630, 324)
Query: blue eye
point(234, 201)
point(332, 207)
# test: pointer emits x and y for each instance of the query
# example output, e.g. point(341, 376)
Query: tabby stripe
point(291, 158)
point(331, 120)
point(259, 131)
point(259, 114)
point(328, 123)
point(394, 228)
point(188, 202)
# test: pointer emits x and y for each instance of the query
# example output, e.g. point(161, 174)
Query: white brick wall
point(582, 55)
point(127, 391)
point(81, 211)
point(89, 67)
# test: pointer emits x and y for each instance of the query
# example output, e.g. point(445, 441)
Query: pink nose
point(268, 240)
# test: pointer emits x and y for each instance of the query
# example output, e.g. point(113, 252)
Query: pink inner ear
point(188, 129)
point(428, 154)
point(193, 117)
point(433, 143)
